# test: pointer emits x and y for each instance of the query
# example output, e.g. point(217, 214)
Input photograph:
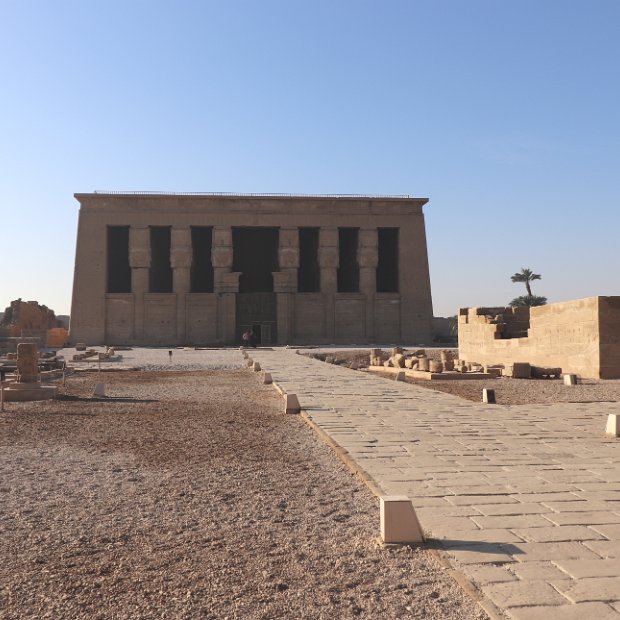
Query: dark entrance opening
point(387, 268)
point(201, 274)
point(161, 270)
point(257, 312)
point(255, 256)
point(119, 271)
point(309, 272)
point(348, 271)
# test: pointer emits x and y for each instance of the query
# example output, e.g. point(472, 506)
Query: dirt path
point(190, 495)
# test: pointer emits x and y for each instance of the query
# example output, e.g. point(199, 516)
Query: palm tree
point(529, 300)
point(526, 276)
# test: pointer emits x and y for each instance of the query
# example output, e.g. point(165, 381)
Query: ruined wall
point(22, 316)
point(580, 336)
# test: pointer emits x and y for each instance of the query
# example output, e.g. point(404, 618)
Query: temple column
point(285, 282)
point(181, 262)
point(329, 260)
point(368, 259)
point(140, 263)
point(225, 283)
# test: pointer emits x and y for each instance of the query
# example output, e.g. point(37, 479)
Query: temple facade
point(200, 269)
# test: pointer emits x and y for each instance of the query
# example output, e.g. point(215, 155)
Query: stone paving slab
point(524, 500)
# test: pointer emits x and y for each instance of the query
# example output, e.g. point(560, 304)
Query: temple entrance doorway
point(257, 311)
point(255, 257)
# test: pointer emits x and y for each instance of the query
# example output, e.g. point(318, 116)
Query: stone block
point(542, 372)
point(494, 371)
point(518, 370)
point(613, 425)
point(570, 379)
point(400, 376)
point(435, 366)
point(80, 346)
point(398, 360)
point(99, 391)
point(267, 380)
point(423, 364)
point(256, 367)
point(488, 396)
point(399, 522)
point(291, 403)
point(27, 362)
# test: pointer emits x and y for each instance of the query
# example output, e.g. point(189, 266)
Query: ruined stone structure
point(29, 319)
point(580, 336)
point(202, 268)
point(27, 316)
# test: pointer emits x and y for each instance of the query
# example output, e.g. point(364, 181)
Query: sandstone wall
point(580, 336)
point(183, 317)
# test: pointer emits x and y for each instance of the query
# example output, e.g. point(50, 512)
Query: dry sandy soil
point(507, 391)
point(190, 495)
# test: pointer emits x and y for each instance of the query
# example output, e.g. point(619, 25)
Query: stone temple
point(200, 269)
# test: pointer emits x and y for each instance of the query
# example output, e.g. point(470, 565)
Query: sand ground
point(190, 495)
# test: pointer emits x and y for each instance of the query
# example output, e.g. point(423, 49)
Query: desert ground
point(508, 391)
point(191, 495)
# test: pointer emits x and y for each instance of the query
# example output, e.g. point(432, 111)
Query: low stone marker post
point(99, 391)
point(488, 396)
point(256, 367)
point(267, 380)
point(570, 379)
point(399, 522)
point(613, 425)
point(291, 403)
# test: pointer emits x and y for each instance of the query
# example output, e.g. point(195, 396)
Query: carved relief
point(367, 257)
point(180, 257)
point(222, 236)
point(284, 281)
point(139, 258)
point(222, 256)
point(328, 257)
point(288, 258)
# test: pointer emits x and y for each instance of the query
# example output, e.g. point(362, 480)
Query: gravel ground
point(158, 359)
point(507, 391)
point(190, 495)
point(529, 391)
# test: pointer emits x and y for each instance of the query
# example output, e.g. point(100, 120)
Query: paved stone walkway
point(524, 500)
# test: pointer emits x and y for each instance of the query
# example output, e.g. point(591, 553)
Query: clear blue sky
point(505, 114)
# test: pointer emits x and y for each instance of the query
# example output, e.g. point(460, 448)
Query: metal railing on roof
point(250, 195)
